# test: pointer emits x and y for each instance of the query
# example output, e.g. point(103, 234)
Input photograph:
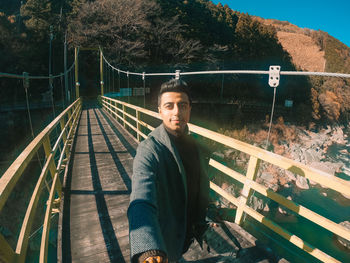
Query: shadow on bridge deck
point(96, 195)
point(94, 226)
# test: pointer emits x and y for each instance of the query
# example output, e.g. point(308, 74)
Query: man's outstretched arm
point(146, 239)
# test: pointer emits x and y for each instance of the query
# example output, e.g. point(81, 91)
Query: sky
point(332, 16)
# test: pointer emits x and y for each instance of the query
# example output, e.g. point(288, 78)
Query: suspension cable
point(17, 76)
point(266, 72)
point(26, 87)
point(52, 102)
point(36, 231)
point(62, 93)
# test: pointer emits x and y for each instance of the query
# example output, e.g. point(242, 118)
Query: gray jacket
point(157, 210)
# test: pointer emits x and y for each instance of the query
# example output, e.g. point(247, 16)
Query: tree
point(114, 25)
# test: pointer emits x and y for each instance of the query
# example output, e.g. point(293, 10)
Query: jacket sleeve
point(144, 228)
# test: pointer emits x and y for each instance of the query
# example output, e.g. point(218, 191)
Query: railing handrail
point(68, 121)
point(10, 177)
point(248, 180)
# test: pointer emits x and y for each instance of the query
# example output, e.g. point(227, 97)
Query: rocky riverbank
point(326, 149)
point(309, 147)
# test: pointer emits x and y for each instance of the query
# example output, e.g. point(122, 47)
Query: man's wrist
point(156, 259)
point(150, 256)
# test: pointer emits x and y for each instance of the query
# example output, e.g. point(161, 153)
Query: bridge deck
point(96, 196)
point(95, 226)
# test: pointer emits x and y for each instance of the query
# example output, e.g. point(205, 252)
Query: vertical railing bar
point(47, 221)
point(247, 192)
point(22, 243)
point(52, 164)
point(138, 125)
point(123, 106)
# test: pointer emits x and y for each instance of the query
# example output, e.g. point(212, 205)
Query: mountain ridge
point(311, 50)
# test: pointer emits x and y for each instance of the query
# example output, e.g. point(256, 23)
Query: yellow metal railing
point(122, 112)
point(63, 139)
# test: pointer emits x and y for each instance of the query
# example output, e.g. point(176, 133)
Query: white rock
point(257, 203)
point(219, 154)
point(343, 241)
point(267, 177)
point(282, 211)
point(266, 208)
point(291, 176)
point(301, 182)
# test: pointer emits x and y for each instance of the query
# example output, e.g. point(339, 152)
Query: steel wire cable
point(266, 72)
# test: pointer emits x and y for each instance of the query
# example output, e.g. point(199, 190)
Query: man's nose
point(176, 109)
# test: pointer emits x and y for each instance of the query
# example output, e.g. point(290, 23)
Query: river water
point(323, 201)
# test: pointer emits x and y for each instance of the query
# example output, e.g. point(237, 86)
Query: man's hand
point(156, 259)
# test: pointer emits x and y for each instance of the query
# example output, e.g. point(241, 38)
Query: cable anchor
point(274, 76)
point(26, 81)
point(177, 74)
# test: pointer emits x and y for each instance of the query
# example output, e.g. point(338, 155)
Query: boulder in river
point(343, 241)
point(302, 182)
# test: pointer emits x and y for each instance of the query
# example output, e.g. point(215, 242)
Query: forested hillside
point(160, 35)
point(315, 50)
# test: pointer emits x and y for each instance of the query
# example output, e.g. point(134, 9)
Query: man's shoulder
point(152, 142)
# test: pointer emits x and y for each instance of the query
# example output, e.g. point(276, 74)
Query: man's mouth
point(176, 120)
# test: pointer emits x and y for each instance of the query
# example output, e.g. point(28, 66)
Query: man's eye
point(168, 106)
point(183, 105)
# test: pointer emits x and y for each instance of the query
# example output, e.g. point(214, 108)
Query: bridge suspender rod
point(101, 72)
point(119, 80)
point(112, 80)
point(76, 62)
point(128, 87)
point(144, 89)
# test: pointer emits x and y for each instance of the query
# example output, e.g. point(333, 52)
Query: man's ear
point(159, 110)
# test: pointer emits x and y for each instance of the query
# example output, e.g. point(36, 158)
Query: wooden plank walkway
point(94, 227)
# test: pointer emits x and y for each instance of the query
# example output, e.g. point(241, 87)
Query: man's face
point(175, 111)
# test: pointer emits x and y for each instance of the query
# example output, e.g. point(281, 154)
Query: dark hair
point(174, 85)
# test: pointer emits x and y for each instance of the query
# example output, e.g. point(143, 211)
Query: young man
point(170, 186)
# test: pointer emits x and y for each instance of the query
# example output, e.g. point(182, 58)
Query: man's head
point(174, 105)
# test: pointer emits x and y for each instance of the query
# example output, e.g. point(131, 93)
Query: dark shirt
point(188, 151)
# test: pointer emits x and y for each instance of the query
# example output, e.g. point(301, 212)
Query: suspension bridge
point(74, 181)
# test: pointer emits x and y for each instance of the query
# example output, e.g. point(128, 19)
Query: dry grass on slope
point(303, 50)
